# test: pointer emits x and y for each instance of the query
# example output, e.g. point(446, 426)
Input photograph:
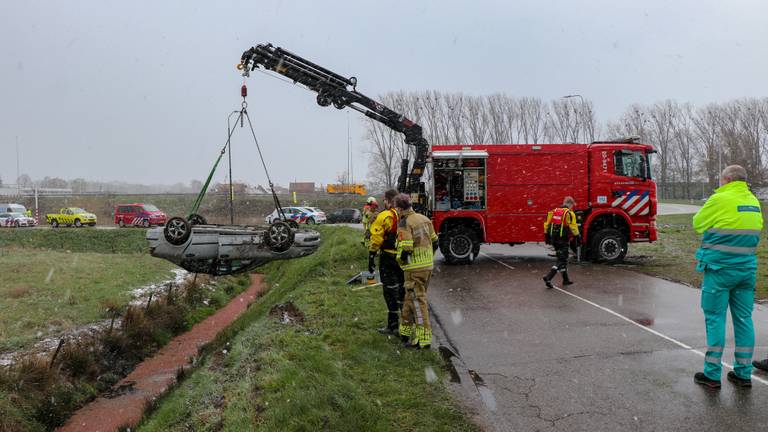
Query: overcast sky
point(140, 91)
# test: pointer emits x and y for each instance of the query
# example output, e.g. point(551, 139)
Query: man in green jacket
point(730, 221)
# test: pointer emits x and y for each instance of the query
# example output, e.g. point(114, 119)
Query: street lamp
point(229, 151)
point(579, 113)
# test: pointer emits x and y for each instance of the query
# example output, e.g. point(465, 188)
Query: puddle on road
point(485, 393)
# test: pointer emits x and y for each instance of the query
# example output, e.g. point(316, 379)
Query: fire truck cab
point(502, 193)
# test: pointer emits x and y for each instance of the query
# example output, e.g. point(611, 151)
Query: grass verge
point(673, 256)
point(325, 369)
point(127, 240)
point(43, 292)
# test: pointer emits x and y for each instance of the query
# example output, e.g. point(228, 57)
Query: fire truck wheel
point(459, 245)
point(609, 246)
point(196, 219)
point(121, 224)
point(279, 236)
point(177, 231)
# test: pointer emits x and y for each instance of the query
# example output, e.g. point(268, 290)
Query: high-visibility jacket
point(730, 221)
point(384, 232)
point(560, 221)
point(415, 233)
point(369, 215)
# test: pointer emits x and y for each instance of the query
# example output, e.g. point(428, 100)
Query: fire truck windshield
point(631, 163)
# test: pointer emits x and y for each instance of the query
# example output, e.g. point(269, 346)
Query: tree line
point(693, 143)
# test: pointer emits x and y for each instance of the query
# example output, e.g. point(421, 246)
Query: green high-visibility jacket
point(730, 221)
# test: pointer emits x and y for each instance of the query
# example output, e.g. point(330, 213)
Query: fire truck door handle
point(617, 194)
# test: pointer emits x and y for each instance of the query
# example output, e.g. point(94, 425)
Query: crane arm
point(339, 91)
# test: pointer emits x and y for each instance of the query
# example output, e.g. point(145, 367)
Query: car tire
point(608, 246)
point(54, 223)
point(120, 223)
point(196, 219)
point(310, 221)
point(17, 224)
point(459, 245)
point(279, 236)
point(145, 223)
point(177, 231)
point(78, 223)
point(293, 224)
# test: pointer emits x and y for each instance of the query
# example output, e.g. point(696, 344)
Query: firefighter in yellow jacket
point(382, 241)
point(416, 245)
point(559, 228)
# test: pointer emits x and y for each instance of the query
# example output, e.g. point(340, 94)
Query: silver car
point(227, 249)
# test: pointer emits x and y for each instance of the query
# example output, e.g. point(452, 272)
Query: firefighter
point(416, 245)
point(730, 222)
point(558, 229)
point(370, 210)
point(383, 242)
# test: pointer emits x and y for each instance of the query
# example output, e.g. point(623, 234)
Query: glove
point(371, 265)
point(434, 247)
point(547, 238)
point(405, 256)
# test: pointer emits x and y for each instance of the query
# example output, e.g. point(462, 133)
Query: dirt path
point(156, 375)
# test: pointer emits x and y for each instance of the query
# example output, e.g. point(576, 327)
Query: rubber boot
point(549, 276)
point(566, 280)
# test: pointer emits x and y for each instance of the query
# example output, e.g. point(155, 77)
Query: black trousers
point(561, 252)
point(393, 282)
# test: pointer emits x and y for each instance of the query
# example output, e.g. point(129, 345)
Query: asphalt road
point(615, 352)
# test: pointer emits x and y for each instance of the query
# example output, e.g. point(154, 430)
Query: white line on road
point(650, 330)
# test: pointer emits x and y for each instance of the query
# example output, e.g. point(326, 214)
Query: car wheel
point(608, 246)
point(310, 221)
point(145, 223)
point(279, 236)
point(459, 245)
point(196, 219)
point(78, 224)
point(17, 224)
point(54, 223)
point(120, 223)
point(293, 224)
point(177, 231)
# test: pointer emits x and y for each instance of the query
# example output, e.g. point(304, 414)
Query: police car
point(300, 215)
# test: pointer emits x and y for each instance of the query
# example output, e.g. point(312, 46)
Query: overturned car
point(226, 249)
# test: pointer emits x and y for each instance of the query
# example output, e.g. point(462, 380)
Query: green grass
point(128, 240)
point(32, 304)
point(331, 372)
point(673, 255)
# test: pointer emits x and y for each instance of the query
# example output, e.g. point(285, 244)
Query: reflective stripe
point(710, 359)
point(744, 361)
point(734, 231)
point(744, 349)
point(731, 249)
point(419, 318)
point(715, 349)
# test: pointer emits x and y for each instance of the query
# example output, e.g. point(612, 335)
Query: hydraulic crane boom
point(334, 89)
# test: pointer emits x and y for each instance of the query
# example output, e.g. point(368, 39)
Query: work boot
point(704, 380)
point(566, 279)
point(761, 364)
point(548, 282)
point(411, 345)
point(739, 382)
point(387, 331)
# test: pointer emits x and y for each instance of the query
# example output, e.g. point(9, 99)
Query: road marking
point(649, 330)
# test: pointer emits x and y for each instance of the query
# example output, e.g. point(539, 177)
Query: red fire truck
point(499, 193)
point(502, 193)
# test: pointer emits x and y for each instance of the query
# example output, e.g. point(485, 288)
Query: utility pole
point(18, 174)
